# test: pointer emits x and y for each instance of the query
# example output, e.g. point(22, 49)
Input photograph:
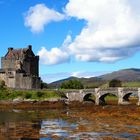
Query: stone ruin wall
point(6, 63)
point(20, 81)
point(2, 76)
point(27, 78)
point(27, 82)
point(30, 65)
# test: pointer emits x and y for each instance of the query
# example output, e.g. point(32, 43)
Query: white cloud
point(52, 57)
point(55, 55)
point(39, 15)
point(112, 31)
point(85, 74)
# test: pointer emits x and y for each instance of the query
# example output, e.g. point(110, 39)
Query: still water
point(58, 124)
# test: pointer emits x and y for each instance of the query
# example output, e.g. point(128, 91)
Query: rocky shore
point(19, 103)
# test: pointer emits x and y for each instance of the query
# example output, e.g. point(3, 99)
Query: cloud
point(52, 57)
point(40, 15)
point(112, 31)
point(55, 55)
point(85, 74)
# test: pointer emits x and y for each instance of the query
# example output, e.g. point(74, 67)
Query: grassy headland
point(10, 94)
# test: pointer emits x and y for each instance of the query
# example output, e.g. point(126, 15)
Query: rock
point(125, 103)
point(53, 99)
point(17, 100)
point(29, 100)
point(138, 103)
point(5, 102)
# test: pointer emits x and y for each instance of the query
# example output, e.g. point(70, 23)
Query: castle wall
point(23, 82)
point(30, 66)
point(27, 82)
point(20, 69)
point(8, 63)
point(3, 77)
point(35, 66)
point(36, 83)
point(20, 81)
point(10, 82)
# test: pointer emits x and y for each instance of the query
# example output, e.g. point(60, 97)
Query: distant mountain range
point(125, 75)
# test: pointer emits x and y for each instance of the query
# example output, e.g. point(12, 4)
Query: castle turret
point(24, 65)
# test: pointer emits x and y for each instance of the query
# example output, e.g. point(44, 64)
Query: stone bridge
point(100, 94)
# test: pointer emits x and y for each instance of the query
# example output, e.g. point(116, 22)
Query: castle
point(20, 69)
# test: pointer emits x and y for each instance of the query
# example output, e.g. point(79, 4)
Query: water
point(56, 124)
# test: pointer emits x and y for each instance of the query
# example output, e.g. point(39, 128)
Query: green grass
point(10, 94)
point(124, 84)
point(131, 84)
point(111, 98)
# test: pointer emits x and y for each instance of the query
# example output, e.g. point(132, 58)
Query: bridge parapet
point(127, 89)
point(88, 90)
point(122, 93)
point(109, 88)
point(70, 90)
point(104, 91)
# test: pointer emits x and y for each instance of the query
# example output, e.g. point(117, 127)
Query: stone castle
point(20, 69)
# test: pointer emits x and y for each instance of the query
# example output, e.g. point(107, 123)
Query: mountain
point(87, 82)
point(57, 84)
point(125, 75)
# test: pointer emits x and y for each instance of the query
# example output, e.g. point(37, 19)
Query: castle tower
point(23, 67)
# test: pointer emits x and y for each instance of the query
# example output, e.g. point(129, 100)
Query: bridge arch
point(100, 94)
point(127, 95)
point(112, 99)
point(89, 97)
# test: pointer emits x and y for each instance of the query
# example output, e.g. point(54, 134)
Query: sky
point(73, 37)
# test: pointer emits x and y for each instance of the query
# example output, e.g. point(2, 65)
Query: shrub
point(72, 84)
point(2, 84)
point(28, 95)
point(44, 85)
point(115, 83)
point(39, 94)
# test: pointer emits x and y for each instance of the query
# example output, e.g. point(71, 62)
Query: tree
point(2, 84)
point(44, 85)
point(115, 83)
point(72, 84)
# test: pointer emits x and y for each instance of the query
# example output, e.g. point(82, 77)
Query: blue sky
point(74, 37)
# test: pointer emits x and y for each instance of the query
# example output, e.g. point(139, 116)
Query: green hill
point(129, 77)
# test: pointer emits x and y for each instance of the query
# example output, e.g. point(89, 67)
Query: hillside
point(87, 82)
point(125, 75)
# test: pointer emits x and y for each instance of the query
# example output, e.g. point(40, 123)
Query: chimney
point(30, 47)
point(10, 49)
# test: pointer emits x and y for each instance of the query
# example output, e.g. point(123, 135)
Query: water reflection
point(59, 128)
point(57, 125)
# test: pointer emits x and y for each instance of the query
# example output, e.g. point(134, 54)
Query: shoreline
point(31, 104)
point(54, 104)
point(101, 118)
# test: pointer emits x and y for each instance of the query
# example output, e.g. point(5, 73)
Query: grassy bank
point(124, 84)
point(10, 94)
point(131, 84)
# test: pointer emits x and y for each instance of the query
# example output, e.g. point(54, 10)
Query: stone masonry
point(20, 69)
point(122, 93)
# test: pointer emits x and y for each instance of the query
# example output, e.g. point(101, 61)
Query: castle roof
point(19, 53)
